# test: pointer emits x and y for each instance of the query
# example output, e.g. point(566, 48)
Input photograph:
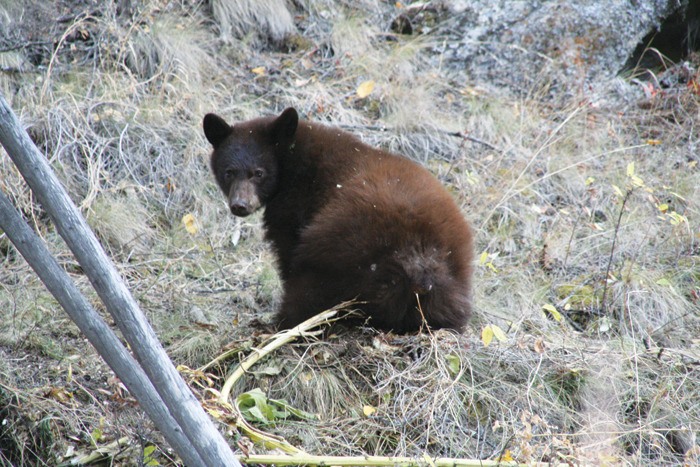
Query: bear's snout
point(243, 199)
point(240, 207)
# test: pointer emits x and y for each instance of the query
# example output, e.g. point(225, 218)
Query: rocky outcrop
point(549, 46)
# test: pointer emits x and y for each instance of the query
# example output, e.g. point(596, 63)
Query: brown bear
point(347, 221)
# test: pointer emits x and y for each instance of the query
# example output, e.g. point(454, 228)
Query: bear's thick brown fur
point(347, 221)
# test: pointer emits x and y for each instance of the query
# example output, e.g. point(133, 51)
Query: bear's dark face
point(246, 157)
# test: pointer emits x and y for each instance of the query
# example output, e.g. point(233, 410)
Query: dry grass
point(267, 19)
point(118, 113)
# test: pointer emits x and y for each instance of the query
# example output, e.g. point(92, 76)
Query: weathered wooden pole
point(93, 326)
point(70, 224)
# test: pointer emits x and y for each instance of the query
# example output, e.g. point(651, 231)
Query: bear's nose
point(239, 208)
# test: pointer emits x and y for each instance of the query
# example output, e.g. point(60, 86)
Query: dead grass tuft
point(269, 18)
point(122, 222)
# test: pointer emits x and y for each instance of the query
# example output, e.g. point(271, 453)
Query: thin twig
point(456, 134)
point(612, 250)
point(459, 134)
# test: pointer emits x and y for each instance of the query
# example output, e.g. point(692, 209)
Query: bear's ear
point(215, 129)
point(286, 124)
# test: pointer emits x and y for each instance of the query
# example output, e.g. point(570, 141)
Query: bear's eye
point(229, 173)
point(258, 173)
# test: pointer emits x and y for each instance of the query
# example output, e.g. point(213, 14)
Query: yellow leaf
point(484, 261)
point(552, 311)
point(259, 70)
point(470, 91)
point(636, 181)
point(59, 394)
point(653, 142)
point(484, 256)
point(630, 169)
point(663, 207)
point(498, 333)
point(368, 410)
point(190, 223)
point(590, 180)
point(365, 89)
point(507, 456)
point(618, 192)
point(486, 335)
point(676, 219)
point(216, 413)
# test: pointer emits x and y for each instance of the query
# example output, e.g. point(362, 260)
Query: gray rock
point(549, 47)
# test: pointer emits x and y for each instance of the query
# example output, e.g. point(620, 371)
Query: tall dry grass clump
point(270, 19)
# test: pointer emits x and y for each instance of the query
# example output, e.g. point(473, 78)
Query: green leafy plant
point(148, 459)
point(257, 407)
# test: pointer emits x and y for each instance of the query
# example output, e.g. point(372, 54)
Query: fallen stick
point(307, 459)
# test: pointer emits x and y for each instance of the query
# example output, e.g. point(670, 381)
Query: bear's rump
point(386, 246)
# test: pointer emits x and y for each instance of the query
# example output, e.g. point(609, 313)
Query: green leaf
point(148, 458)
point(257, 407)
point(454, 363)
point(294, 411)
point(96, 436)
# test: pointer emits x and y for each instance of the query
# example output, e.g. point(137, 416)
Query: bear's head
point(245, 160)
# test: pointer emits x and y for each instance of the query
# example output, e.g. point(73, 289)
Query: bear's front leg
point(306, 294)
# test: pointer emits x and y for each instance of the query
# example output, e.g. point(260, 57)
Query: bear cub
point(347, 221)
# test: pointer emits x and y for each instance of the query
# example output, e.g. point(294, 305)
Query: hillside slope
point(586, 211)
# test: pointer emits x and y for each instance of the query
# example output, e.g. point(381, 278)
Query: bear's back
point(383, 200)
